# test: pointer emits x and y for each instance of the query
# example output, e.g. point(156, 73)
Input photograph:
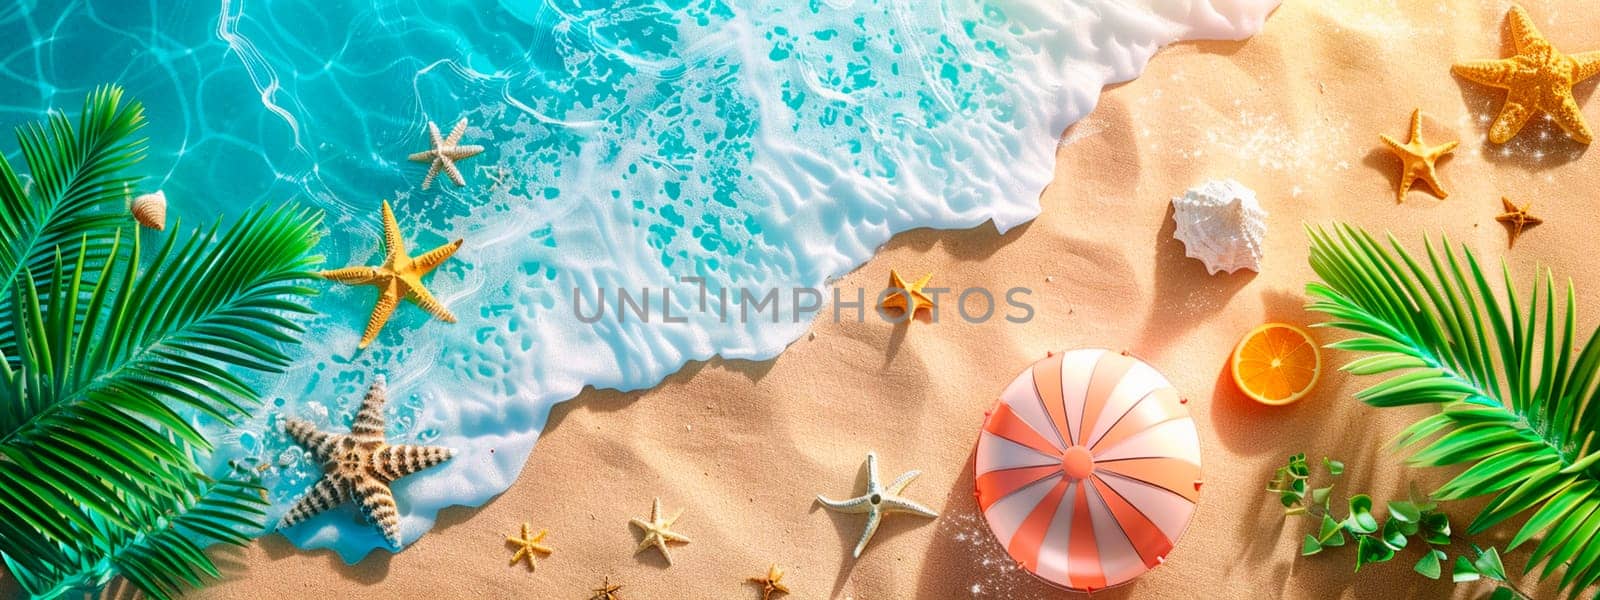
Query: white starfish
point(445, 152)
point(878, 501)
point(657, 532)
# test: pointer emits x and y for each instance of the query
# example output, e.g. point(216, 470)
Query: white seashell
point(150, 210)
point(1221, 224)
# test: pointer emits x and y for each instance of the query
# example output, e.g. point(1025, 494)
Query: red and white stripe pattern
point(1088, 469)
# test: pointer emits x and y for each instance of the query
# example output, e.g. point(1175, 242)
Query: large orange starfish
point(399, 276)
point(1417, 159)
point(1538, 77)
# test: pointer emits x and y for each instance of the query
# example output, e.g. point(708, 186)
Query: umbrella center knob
point(1077, 462)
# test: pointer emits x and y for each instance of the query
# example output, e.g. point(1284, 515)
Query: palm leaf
point(94, 435)
point(74, 202)
point(167, 555)
point(1516, 392)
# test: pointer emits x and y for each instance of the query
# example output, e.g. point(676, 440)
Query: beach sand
point(743, 448)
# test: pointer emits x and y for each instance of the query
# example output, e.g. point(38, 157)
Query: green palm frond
point(74, 202)
point(168, 556)
point(1518, 394)
point(93, 437)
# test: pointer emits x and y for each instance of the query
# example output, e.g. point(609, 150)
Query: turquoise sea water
point(754, 145)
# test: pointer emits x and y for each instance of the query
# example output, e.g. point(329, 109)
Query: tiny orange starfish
point(1417, 159)
point(399, 276)
point(1537, 78)
point(908, 298)
point(527, 547)
point(607, 591)
point(772, 583)
point(1516, 219)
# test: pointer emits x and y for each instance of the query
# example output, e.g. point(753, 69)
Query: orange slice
point(1276, 364)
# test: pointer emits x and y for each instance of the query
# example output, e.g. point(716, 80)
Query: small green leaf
point(1392, 536)
point(1335, 468)
point(1319, 496)
point(1488, 564)
point(1429, 565)
point(1436, 528)
point(1361, 519)
point(1289, 499)
point(1369, 550)
point(1310, 546)
point(1407, 528)
point(1464, 571)
point(1404, 511)
point(1503, 593)
point(1330, 528)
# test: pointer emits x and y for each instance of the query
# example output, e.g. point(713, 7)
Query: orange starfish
point(1417, 159)
point(772, 583)
point(909, 298)
point(399, 276)
point(1516, 219)
point(1538, 78)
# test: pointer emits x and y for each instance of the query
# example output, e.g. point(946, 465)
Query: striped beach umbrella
point(1088, 469)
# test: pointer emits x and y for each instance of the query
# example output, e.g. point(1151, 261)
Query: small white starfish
point(445, 152)
point(657, 532)
point(878, 501)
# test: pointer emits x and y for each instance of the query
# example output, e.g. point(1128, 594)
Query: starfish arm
point(904, 480)
point(853, 505)
point(1393, 144)
point(1442, 149)
point(424, 299)
point(377, 505)
point(393, 462)
point(1407, 178)
point(1524, 34)
point(866, 534)
point(433, 258)
point(324, 495)
point(304, 433)
point(641, 524)
point(1416, 124)
point(380, 315)
point(423, 156)
point(1512, 117)
point(1432, 179)
point(521, 553)
point(368, 426)
point(456, 132)
point(393, 246)
point(1585, 65)
point(894, 504)
point(433, 136)
point(353, 275)
point(1509, 206)
point(872, 474)
point(895, 281)
point(661, 545)
point(433, 171)
point(1495, 73)
point(451, 170)
point(1570, 117)
point(674, 536)
point(465, 152)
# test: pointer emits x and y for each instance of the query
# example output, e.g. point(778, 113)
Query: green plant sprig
point(1417, 518)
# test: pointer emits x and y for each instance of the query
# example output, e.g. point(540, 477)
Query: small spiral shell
point(150, 210)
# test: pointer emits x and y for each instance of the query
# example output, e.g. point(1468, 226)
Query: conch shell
point(150, 210)
point(1221, 224)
